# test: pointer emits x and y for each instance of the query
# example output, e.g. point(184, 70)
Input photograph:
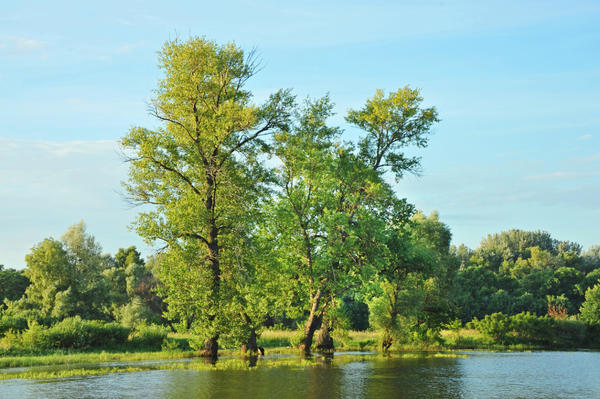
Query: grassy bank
point(90, 361)
point(60, 357)
point(237, 363)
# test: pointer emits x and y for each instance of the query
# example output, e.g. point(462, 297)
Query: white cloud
point(129, 47)
point(21, 45)
point(552, 176)
point(585, 137)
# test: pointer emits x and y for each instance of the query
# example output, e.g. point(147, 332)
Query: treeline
point(73, 296)
point(524, 271)
point(71, 277)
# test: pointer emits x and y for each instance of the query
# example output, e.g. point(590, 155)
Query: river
point(547, 375)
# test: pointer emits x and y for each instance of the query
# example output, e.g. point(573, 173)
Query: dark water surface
point(480, 375)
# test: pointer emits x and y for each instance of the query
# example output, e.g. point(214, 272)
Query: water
point(543, 375)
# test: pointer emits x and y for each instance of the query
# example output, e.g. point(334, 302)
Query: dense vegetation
point(270, 217)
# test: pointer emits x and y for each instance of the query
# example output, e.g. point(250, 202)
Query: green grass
point(72, 357)
point(472, 339)
point(77, 362)
point(201, 364)
point(348, 341)
point(275, 338)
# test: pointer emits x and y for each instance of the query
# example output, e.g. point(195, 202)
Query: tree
point(412, 294)
point(390, 124)
point(202, 175)
point(590, 310)
point(334, 203)
point(66, 276)
point(12, 284)
point(133, 289)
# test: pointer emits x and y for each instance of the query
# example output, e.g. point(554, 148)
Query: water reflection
point(354, 379)
point(544, 375)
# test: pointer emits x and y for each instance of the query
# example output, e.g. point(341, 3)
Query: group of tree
point(524, 271)
point(71, 277)
point(266, 208)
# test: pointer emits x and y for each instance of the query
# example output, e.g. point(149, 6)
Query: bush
point(175, 344)
point(12, 323)
point(590, 309)
point(75, 333)
point(527, 328)
point(569, 333)
point(150, 335)
point(530, 328)
point(297, 338)
point(496, 325)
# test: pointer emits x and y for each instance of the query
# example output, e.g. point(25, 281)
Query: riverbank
point(83, 365)
point(277, 343)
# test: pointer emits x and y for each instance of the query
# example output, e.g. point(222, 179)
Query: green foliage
point(527, 328)
point(412, 300)
point(149, 335)
point(136, 312)
point(517, 271)
point(12, 284)
point(174, 345)
point(201, 173)
point(392, 123)
point(66, 276)
point(354, 314)
point(496, 325)
point(16, 324)
point(73, 333)
point(530, 328)
point(297, 338)
point(590, 310)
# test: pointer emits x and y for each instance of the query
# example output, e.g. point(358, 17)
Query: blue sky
point(516, 84)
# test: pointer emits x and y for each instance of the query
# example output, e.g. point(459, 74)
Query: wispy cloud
point(21, 45)
point(129, 47)
point(552, 176)
point(585, 137)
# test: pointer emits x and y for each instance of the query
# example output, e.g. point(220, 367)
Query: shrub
point(590, 309)
point(150, 335)
point(569, 333)
point(530, 328)
point(172, 345)
point(296, 338)
point(12, 323)
point(496, 325)
point(75, 333)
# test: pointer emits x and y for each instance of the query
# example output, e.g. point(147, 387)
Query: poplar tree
point(201, 175)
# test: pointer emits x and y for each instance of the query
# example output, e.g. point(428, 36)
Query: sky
point(516, 85)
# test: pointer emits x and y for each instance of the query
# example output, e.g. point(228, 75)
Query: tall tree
point(335, 204)
point(201, 173)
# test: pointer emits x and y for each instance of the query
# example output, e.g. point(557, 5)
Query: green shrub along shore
point(76, 347)
point(75, 340)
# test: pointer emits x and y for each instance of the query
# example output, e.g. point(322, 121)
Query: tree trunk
point(311, 324)
point(211, 345)
point(386, 341)
point(211, 348)
point(324, 341)
point(250, 347)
